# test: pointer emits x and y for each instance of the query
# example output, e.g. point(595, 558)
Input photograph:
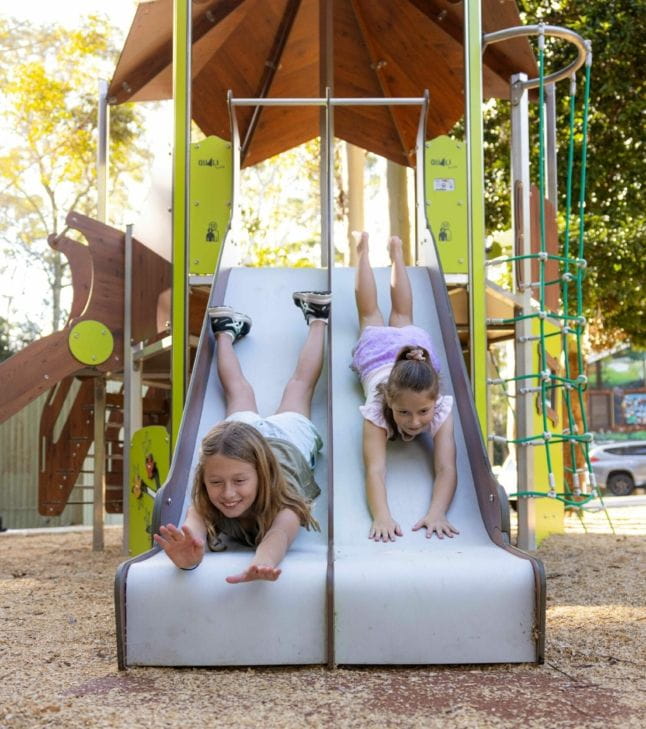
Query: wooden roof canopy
point(273, 48)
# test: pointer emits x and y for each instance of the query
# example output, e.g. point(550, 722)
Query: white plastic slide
point(471, 599)
point(419, 600)
point(170, 617)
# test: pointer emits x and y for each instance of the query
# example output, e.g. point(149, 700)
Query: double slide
point(342, 598)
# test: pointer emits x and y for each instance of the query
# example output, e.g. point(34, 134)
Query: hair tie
point(416, 354)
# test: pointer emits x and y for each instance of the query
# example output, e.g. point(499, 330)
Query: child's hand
point(438, 524)
point(256, 572)
point(181, 545)
point(385, 530)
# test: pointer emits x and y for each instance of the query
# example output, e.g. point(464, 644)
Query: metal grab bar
point(584, 52)
point(331, 101)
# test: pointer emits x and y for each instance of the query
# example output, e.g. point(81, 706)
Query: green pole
point(475, 206)
point(182, 130)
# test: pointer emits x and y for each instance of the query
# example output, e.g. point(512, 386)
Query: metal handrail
point(584, 52)
point(329, 101)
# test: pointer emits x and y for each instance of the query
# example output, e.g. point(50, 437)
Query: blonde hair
point(244, 443)
point(413, 370)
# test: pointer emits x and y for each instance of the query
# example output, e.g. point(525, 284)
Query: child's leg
point(365, 288)
point(401, 296)
point(238, 393)
point(297, 396)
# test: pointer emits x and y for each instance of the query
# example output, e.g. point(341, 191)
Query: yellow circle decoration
point(91, 342)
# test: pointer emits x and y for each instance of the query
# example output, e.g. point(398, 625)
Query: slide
point(471, 599)
point(166, 616)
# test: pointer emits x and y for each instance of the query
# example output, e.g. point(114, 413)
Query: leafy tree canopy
point(48, 83)
point(615, 221)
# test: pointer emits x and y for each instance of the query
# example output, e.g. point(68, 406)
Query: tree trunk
point(398, 207)
point(356, 158)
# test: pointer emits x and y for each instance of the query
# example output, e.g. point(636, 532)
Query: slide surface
point(415, 601)
point(173, 617)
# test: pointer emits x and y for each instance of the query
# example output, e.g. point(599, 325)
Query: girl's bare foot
point(395, 248)
point(361, 241)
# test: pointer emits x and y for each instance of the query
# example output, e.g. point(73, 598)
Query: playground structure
point(339, 561)
point(72, 363)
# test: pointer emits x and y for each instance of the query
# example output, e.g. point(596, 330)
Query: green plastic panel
point(446, 201)
point(91, 342)
point(549, 513)
point(210, 207)
point(149, 464)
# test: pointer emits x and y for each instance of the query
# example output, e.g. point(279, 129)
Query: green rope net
point(581, 488)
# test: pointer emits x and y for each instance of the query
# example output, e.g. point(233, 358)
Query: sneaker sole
point(312, 297)
point(216, 311)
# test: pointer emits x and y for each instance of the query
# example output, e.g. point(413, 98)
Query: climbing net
point(569, 322)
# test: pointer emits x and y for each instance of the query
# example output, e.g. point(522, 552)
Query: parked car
point(620, 467)
point(506, 476)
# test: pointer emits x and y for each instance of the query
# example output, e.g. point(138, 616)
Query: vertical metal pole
point(99, 464)
point(102, 168)
point(103, 153)
point(475, 207)
point(326, 88)
point(421, 224)
point(182, 46)
point(551, 157)
point(327, 254)
point(235, 163)
point(132, 404)
point(520, 181)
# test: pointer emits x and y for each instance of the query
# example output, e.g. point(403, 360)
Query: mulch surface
point(58, 663)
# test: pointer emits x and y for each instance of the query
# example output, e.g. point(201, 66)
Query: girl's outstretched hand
point(385, 530)
point(256, 572)
point(439, 525)
point(181, 545)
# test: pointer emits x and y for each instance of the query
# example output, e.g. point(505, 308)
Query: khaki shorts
point(292, 427)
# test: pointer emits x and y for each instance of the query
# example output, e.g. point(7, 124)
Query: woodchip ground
point(58, 663)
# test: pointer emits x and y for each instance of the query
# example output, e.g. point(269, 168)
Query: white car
point(620, 466)
point(507, 476)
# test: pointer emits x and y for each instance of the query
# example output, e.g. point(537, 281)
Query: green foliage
point(280, 210)
point(289, 255)
point(627, 369)
point(12, 341)
point(615, 223)
point(47, 160)
point(5, 344)
point(279, 213)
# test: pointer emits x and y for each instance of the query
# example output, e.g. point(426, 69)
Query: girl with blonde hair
point(254, 479)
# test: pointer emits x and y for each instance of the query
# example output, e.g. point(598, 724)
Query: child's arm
point(272, 549)
point(384, 528)
point(444, 485)
point(185, 546)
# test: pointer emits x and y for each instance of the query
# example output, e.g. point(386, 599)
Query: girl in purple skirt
point(399, 375)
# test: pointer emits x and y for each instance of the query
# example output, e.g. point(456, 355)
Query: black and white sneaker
point(225, 319)
point(315, 305)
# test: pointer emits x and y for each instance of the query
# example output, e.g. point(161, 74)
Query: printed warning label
point(444, 184)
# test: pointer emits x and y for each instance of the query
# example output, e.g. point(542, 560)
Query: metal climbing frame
point(533, 314)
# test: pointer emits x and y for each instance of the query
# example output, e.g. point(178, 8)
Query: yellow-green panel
point(446, 200)
point(91, 342)
point(149, 464)
point(549, 512)
point(211, 192)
